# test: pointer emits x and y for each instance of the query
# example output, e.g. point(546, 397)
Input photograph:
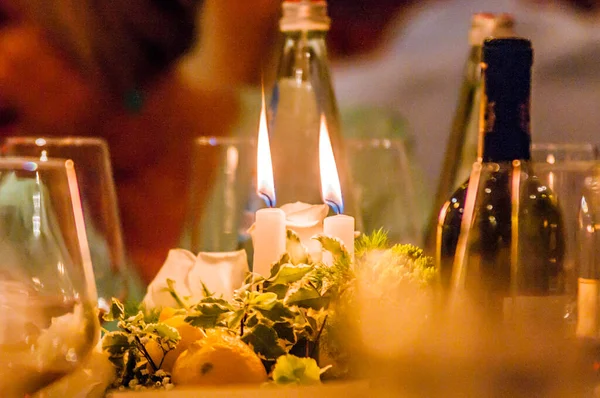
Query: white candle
point(268, 239)
point(269, 234)
point(339, 226)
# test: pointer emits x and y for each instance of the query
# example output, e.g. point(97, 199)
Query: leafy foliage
point(290, 369)
point(290, 307)
point(377, 240)
point(127, 348)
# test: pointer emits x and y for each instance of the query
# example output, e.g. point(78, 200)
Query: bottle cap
point(484, 24)
point(509, 52)
point(304, 15)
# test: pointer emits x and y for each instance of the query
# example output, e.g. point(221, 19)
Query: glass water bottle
point(302, 94)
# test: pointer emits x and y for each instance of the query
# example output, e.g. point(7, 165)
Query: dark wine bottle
point(505, 131)
point(464, 146)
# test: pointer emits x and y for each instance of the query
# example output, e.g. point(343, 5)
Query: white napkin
point(307, 221)
point(221, 273)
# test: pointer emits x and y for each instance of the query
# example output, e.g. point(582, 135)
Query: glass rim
point(375, 142)
point(212, 140)
point(67, 140)
point(29, 163)
point(579, 146)
point(567, 165)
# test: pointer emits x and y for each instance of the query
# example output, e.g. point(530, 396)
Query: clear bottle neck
point(473, 68)
point(304, 55)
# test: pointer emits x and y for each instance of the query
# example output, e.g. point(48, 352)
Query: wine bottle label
point(588, 304)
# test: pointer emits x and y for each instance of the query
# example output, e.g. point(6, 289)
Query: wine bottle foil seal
point(304, 15)
point(485, 25)
point(506, 65)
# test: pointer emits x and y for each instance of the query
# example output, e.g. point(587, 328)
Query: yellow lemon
point(218, 359)
point(189, 334)
point(167, 313)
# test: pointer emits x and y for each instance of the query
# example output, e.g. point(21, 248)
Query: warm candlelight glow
point(265, 187)
point(330, 181)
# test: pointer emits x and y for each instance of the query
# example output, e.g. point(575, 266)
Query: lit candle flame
point(330, 181)
point(265, 187)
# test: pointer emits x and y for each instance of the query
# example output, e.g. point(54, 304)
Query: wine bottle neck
point(505, 120)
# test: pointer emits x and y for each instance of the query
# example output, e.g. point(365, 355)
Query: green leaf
point(152, 315)
point(137, 319)
point(234, 319)
point(117, 311)
point(295, 249)
point(284, 259)
point(263, 340)
point(285, 331)
point(252, 320)
point(279, 290)
point(205, 292)
point(376, 240)
point(304, 292)
point(209, 313)
point(168, 334)
point(178, 299)
point(334, 246)
point(289, 273)
point(290, 369)
point(264, 301)
point(132, 307)
point(116, 343)
point(278, 312)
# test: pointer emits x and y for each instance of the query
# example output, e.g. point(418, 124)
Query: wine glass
point(47, 292)
point(564, 167)
point(386, 188)
point(588, 258)
point(220, 215)
point(114, 276)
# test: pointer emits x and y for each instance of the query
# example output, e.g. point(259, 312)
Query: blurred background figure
point(111, 69)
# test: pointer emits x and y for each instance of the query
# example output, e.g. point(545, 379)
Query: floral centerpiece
point(282, 328)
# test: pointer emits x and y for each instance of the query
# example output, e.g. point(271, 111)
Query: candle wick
point(270, 201)
point(337, 209)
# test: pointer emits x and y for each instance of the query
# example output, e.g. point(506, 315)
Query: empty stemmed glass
point(386, 188)
point(48, 316)
point(219, 215)
point(100, 208)
point(564, 168)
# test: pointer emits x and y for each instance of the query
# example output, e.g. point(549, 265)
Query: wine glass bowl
point(100, 208)
point(386, 188)
point(219, 215)
point(564, 169)
point(47, 291)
